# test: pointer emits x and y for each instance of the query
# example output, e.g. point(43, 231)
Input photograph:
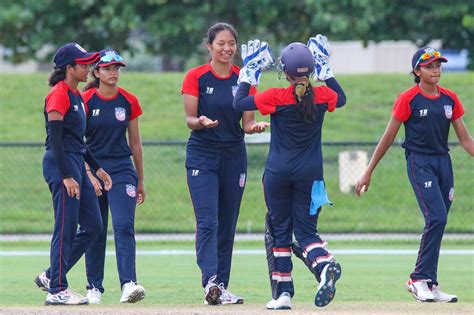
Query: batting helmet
point(297, 60)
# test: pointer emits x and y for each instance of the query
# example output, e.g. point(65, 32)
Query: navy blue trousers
point(122, 202)
point(68, 246)
point(288, 202)
point(216, 186)
point(431, 177)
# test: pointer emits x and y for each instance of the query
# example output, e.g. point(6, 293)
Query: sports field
point(374, 273)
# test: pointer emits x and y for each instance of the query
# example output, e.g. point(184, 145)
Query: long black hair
point(58, 75)
point(305, 107)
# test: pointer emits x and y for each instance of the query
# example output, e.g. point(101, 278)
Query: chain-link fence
point(389, 206)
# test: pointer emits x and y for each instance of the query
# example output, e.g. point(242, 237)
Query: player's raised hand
point(256, 56)
point(319, 47)
point(105, 177)
point(207, 123)
point(72, 188)
point(362, 185)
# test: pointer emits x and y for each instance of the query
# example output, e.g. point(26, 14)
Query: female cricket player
point(293, 178)
point(64, 170)
point(427, 110)
point(216, 159)
point(112, 115)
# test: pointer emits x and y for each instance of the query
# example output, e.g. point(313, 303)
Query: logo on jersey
point(423, 112)
point(209, 90)
point(131, 190)
point(234, 90)
point(428, 184)
point(242, 180)
point(448, 111)
point(451, 194)
point(75, 108)
point(96, 112)
point(120, 113)
point(194, 172)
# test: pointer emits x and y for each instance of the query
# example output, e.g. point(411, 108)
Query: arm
point(245, 103)
point(382, 147)
point(464, 137)
point(135, 143)
point(334, 85)
point(191, 111)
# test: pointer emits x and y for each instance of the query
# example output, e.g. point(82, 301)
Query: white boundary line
point(464, 252)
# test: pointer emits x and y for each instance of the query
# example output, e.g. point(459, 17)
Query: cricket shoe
point(440, 296)
point(327, 286)
point(42, 281)
point(282, 303)
point(66, 297)
point(212, 292)
point(94, 296)
point(420, 290)
point(132, 293)
point(228, 297)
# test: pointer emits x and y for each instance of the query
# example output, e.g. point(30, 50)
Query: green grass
point(366, 278)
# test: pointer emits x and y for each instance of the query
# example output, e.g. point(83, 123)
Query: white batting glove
point(256, 56)
point(319, 46)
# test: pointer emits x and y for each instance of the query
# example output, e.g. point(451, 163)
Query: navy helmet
point(297, 60)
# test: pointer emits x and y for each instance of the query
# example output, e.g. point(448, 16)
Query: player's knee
point(207, 228)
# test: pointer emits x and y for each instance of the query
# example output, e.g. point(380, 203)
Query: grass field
point(370, 283)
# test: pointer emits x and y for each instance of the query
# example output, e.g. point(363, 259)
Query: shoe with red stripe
point(420, 290)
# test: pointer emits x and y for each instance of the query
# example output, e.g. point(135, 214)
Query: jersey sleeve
point(135, 108)
point(253, 91)
point(401, 108)
point(57, 101)
point(190, 84)
point(325, 95)
point(266, 101)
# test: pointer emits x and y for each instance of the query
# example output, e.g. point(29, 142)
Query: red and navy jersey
point(427, 119)
point(216, 95)
point(295, 146)
point(70, 105)
point(107, 122)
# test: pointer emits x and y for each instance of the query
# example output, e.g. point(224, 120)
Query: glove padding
point(319, 47)
point(256, 56)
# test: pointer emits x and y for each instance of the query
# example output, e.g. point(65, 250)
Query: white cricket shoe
point(42, 281)
point(440, 296)
point(228, 297)
point(94, 296)
point(282, 303)
point(327, 286)
point(66, 297)
point(420, 290)
point(132, 293)
point(212, 292)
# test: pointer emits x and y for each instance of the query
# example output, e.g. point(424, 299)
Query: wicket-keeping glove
point(319, 46)
point(256, 56)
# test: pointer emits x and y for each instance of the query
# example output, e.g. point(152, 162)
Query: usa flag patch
point(120, 113)
point(130, 190)
point(242, 180)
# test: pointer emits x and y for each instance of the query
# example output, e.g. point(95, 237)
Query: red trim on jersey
point(135, 109)
point(58, 98)
point(86, 96)
point(267, 101)
point(102, 97)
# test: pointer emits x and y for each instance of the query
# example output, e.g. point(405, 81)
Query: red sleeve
point(57, 100)
point(266, 101)
point(135, 109)
point(190, 83)
point(253, 90)
point(401, 108)
point(325, 95)
point(458, 109)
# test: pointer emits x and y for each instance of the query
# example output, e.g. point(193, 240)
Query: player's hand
point(256, 56)
point(207, 123)
point(95, 183)
point(362, 185)
point(72, 188)
point(319, 47)
point(105, 178)
point(141, 193)
point(260, 126)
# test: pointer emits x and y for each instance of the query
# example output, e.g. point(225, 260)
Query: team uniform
point(216, 163)
point(293, 181)
point(66, 246)
point(427, 120)
point(107, 123)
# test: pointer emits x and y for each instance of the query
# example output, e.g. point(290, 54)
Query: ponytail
point(56, 76)
point(304, 95)
point(94, 83)
point(415, 77)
